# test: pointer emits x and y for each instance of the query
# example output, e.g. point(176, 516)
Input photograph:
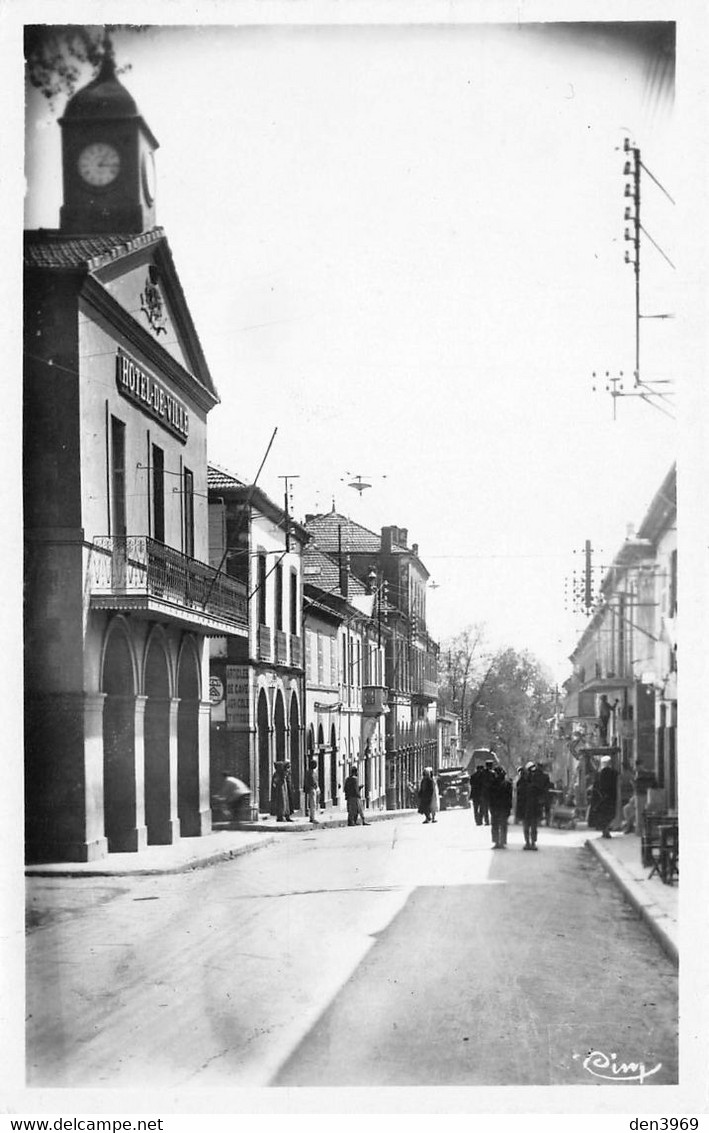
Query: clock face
point(99, 164)
point(147, 176)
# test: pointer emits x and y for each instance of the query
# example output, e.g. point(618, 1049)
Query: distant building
point(346, 701)
point(393, 570)
point(257, 680)
point(628, 655)
point(119, 600)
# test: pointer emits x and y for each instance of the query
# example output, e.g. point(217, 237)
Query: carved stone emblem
point(152, 304)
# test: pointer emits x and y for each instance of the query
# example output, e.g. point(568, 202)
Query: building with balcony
point(628, 655)
point(119, 597)
point(257, 679)
point(346, 700)
point(451, 750)
point(394, 572)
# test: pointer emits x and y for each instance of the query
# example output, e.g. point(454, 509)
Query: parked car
point(453, 787)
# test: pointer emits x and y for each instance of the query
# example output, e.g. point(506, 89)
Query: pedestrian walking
point(280, 794)
point(235, 798)
point(601, 812)
point(547, 797)
point(532, 787)
point(312, 789)
point(486, 778)
point(435, 797)
point(292, 801)
point(500, 793)
point(353, 798)
point(476, 787)
point(426, 795)
point(519, 794)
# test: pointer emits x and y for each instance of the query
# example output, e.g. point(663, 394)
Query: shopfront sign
point(238, 697)
point(151, 396)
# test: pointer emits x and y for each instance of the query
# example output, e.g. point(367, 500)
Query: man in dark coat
point(353, 799)
point(602, 810)
point(476, 787)
point(280, 795)
point(487, 777)
point(500, 795)
point(425, 795)
point(534, 788)
point(519, 794)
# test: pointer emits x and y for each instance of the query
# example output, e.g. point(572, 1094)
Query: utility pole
point(286, 505)
point(656, 392)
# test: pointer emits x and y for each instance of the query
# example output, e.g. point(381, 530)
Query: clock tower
point(108, 160)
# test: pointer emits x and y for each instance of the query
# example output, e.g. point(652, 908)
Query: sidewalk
point(657, 904)
point(223, 843)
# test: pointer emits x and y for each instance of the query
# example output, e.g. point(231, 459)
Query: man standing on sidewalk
point(603, 799)
point(312, 789)
point(354, 801)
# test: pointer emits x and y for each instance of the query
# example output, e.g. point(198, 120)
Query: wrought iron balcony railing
point(136, 566)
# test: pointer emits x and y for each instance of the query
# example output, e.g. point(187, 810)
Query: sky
point(403, 249)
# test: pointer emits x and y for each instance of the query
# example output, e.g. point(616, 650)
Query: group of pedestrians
point(282, 795)
point(491, 794)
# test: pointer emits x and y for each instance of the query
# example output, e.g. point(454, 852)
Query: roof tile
point(49, 248)
point(325, 530)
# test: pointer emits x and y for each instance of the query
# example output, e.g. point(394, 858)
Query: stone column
point(204, 819)
point(64, 777)
point(95, 844)
point(173, 829)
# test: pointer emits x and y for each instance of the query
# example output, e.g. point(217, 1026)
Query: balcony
point(374, 700)
point(264, 644)
point(135, 573)
point(281, 647)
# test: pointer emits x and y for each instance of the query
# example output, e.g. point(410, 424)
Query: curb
point(301, 826)
point(210, 858)
point(150, 871)
point(651, 913)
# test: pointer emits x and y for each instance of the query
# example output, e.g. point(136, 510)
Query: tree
point(512, 715)
point(461, 667)
point(60, 56)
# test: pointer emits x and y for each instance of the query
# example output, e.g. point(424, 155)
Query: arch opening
point(119, 756)
point(158, 810)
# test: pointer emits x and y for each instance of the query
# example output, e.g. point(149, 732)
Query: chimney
point(415, 548)
point(387, 538)
point(403, 536)
point(343, 562)
point(309, 517)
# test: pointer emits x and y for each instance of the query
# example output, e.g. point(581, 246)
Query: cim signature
point(596, 1062)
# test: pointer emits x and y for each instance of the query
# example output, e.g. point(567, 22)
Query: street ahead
point(390, 955)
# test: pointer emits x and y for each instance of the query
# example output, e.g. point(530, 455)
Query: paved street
point(392, 955)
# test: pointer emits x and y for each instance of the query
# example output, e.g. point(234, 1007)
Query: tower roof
point(106, 98)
